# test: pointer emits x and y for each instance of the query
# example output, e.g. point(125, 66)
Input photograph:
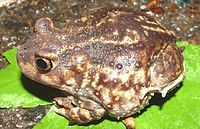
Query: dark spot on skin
point(138, 65)
point(119, 66)
point(111, 63)
point(97, 93)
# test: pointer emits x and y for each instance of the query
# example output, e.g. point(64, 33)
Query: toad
point(109, 63)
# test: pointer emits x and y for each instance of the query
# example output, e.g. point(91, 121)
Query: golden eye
point(44, 64)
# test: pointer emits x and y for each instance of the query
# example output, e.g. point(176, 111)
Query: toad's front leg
point(79, 111)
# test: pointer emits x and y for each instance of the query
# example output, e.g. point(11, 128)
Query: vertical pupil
point(41, 63)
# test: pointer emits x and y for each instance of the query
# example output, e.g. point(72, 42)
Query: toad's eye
point(44, 64)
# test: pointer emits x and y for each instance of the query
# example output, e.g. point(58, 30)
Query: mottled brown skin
point(111, 63)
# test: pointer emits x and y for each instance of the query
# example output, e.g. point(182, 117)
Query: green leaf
point(14, 87)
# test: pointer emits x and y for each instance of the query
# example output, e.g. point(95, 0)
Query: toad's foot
point(76, 114)
point(129, 123)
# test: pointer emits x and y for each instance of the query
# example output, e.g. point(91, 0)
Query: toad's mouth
point(167, 87)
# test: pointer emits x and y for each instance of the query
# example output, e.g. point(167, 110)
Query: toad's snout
point(24, 61)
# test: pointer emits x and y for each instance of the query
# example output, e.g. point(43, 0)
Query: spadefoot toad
point(109, 63)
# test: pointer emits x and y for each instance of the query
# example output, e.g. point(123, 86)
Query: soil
point(17, 20)
point(14, 118)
